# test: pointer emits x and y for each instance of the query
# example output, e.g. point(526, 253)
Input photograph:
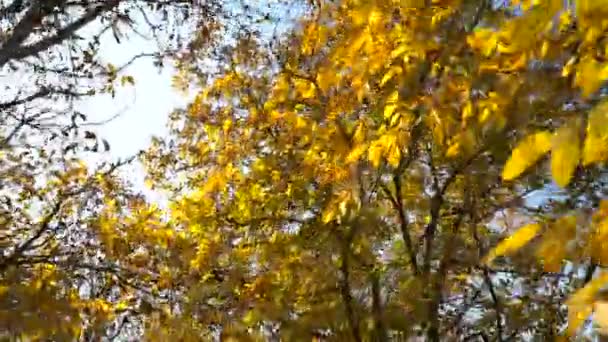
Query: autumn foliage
point(382, 170)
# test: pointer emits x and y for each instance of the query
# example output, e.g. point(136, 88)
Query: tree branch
point(345, 289)
point(379, 327)
point(496, 303)
point(41, 93)
point(13, 50)
point(397, 202)
point(44, 226)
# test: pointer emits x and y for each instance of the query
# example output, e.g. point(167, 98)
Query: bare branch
point(496, 303)
point(43, 227)
point(12, 50)
point(39, 94)
point(345, 286)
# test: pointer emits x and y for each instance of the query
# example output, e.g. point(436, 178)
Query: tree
point(62, 275)
point(350, 180)
point(376, 172)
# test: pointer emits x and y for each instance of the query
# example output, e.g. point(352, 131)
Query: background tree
point(61, 275)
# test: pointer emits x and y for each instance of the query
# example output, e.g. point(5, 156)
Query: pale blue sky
point(144, 107)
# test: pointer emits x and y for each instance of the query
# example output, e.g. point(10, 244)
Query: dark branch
point(13, 50)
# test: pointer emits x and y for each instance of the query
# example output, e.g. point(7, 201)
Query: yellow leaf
point(590, 76)
point(305, 88)
point(375, 153)
point(359, 135)
point(149, 183)
point(580, 304)
point(249, 318)
point(577, 314)
point(398, 51)
point(395, 70)
point(326, 78)
point(393, 155)
point(553, 246)
point(468, 111)
point(544, 49)
point(389, 109)
point(301, 122)
point(343, 207)
point(453, 150)
point(599, 247)
point(227, 125)
point(565, 153)
point(329, 214)
point(600, 317)
point(552, 253)
point(356, 153)
point(569, 67)
point(391, 105)
point(484, 40)
point(514, 242)
point(596, 142)
point(463, 143)
point(526, 154)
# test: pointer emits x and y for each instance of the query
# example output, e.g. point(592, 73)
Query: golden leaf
point(553, 247)
point(596, 142)
point(463, 143)
point(526, 154)
point(375, 153)
point(250, 317)
point(599, 246)
point(600, 316)
point(325, 79)
point(514, 242)
point(580, 304)
point(398, 51)
point(393, 155)
point(359, 135)
point(551, 252)
point(395, 70)
point(391, 104)
point(453, 150)
point(389, 109)
point(484, 40)
point(227, 125)
point(329, 214)
point(565, 153)
point(356, 153)
point(590, 76)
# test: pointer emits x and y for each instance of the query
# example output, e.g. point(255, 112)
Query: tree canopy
point(379, 170)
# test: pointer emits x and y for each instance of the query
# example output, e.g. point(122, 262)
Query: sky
point(143, 109)
point(137, 112)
